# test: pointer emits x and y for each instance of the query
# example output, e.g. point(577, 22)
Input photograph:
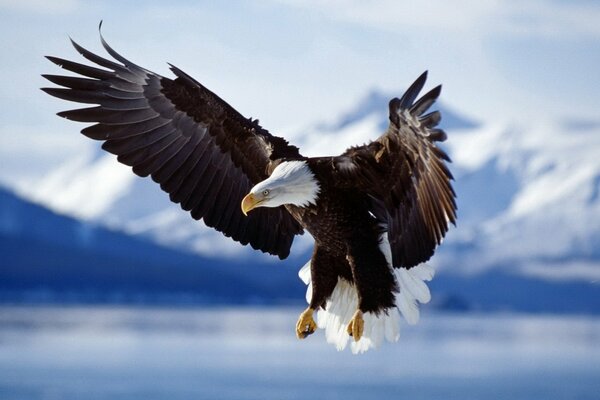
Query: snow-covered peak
point(528, 195)
point(528, 200)
point(84, 187)
point(375, 103)
point(362, 123)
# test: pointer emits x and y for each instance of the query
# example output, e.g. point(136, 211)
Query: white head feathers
point(292, 182)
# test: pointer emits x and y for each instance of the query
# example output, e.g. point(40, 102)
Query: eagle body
point(376, 212)
point(347, 242)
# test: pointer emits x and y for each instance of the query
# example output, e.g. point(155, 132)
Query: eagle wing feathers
point(404, 174)
point(195, 145)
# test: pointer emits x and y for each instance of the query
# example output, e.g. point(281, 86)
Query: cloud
point(302, 61)
point(41, 6)
point(464, 17)
point(561, 19)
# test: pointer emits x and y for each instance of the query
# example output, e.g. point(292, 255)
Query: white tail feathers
point(304, 275)
point(343, 303)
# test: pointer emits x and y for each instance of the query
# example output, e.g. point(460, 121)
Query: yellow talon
point(306, 324)
point(356, 326)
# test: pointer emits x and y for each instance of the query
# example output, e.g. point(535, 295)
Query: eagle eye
point(265, 192)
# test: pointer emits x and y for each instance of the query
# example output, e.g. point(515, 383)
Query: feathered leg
point(324, 277)
point(374, 282)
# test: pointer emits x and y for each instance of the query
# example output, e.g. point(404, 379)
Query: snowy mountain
point(50, 257)
point(528, 195)
point(529, 200)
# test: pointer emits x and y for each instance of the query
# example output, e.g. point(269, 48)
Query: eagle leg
point(306, 324)
point(356, 326)
point(374, 281)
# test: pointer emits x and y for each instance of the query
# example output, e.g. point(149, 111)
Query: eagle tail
point(343, 303)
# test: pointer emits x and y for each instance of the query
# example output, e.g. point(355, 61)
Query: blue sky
point(293, 62)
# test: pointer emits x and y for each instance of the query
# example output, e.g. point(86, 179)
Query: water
point(159, 353)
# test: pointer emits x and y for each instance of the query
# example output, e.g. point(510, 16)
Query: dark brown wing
point(197, 147)
point(404, 173)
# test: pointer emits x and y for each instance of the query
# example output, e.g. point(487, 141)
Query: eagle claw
point(306, 324)
point(356, 326)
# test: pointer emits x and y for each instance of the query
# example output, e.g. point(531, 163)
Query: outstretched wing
point(404, 173)
point(196, 146)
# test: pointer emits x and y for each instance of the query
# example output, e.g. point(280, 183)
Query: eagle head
point(292, 182)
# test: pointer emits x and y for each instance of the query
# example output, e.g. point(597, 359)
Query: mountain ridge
point(63, 260)
point(526, 194)
point(44, 252)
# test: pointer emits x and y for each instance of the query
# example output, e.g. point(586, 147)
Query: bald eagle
point(376, 212)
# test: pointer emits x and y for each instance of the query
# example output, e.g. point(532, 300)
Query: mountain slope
point(527, 200)
point(528, 196)
point(47, 256)
point(51, 258)
point(94, 187)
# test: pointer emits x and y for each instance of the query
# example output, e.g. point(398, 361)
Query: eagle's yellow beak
point(249, 202)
